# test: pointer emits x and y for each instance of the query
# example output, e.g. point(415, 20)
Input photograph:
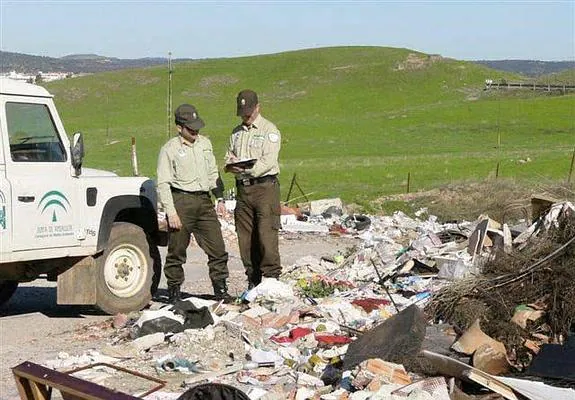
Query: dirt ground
point(34, 328)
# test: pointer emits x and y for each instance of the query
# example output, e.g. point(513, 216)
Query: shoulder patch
point(273, 137)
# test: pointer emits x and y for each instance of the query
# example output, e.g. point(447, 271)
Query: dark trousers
point(257, 218)
point(198, 216)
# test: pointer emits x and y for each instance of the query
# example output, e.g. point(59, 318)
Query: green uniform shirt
point(262, 141)
point(186, 166)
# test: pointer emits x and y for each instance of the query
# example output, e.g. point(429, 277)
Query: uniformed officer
point(257, 212)
point(187, 172)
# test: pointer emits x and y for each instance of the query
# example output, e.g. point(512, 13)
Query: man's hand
point(233, 169)
point(174, 222)
point(221, 208)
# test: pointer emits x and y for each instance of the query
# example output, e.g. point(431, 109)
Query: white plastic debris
point(304, 393)
point(255, 393)
point(333, 352)
point(256, 311)
point(304, 379)
point(66, 361)
point(199, 303)
point(262, 356)
point(270, 289)
point(362, 395)
point(148, 315)
point(162, 396)
point(457, 266)
point(538, 390)
point(291, 224)
point(335, 395)
point(148, 341)
point(340, 311)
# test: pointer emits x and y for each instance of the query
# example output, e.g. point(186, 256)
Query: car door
point(43, 190)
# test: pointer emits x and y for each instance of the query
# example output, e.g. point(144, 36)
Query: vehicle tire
point(157, 259)
point(125, 270)
point(7, 289)
point(357, 222)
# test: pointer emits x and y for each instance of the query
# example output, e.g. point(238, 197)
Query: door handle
point(26, 199)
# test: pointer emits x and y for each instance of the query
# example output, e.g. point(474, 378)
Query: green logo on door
point(52, 201)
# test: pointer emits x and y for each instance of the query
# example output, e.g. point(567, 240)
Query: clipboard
point(245, 164)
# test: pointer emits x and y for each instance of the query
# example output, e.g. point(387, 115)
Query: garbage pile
point(524, 298)
point(418, 310)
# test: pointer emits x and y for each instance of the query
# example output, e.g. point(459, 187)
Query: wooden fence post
point(134, 157)
point(571, 167)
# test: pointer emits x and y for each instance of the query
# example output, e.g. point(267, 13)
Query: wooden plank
point(23, 386)
point(451, 367)
point(39, 391)
point(491, 383)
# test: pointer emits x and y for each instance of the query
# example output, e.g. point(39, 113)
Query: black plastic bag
point(213, 391)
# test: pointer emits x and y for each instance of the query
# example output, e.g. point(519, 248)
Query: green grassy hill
point(355, 121)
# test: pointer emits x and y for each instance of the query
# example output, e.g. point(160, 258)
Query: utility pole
point(169, 99)
point(107, 119)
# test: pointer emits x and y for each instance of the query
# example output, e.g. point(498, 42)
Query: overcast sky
point(465, 30)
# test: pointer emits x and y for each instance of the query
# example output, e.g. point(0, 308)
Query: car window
point(33, 134)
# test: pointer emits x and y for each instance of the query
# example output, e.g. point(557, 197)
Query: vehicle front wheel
point(7, 289)
point(125, 271)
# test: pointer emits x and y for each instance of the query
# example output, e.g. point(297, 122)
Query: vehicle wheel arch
point(137, 210)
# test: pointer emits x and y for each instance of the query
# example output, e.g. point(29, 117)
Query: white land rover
point(94, 232)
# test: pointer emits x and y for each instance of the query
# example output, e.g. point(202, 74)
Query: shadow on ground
point(39, 299)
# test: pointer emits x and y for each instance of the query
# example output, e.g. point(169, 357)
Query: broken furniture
point(36, 382)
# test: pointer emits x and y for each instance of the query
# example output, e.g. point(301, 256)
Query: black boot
point(174, 294)
point(221, 291)
point(254, 280)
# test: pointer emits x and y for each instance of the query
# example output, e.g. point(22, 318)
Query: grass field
point(355, 121)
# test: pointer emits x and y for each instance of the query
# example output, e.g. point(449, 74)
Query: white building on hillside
point(44, 76)
point(19, 77)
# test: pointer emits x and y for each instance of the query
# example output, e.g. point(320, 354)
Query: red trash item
point(281, 339)
point(294, 335)
point(297, 333)
point(337, 229)
point(370, 304)
point(332, 339)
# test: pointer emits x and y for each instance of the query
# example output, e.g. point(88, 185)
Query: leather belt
point(199, 192)
point(253, 181)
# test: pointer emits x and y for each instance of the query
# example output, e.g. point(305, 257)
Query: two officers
point(187, 173)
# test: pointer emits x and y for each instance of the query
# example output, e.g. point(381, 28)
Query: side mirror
point(77, 153)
